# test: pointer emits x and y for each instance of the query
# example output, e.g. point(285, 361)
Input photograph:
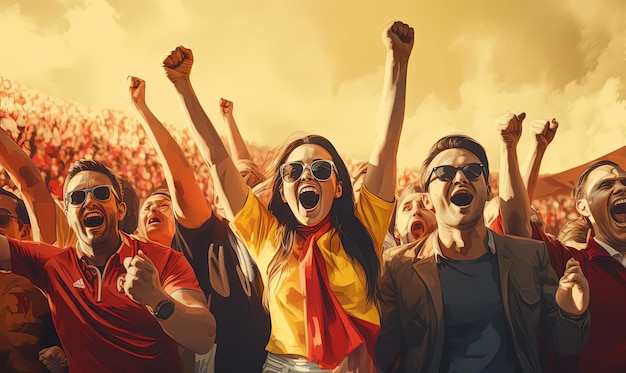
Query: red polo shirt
point(100, 328)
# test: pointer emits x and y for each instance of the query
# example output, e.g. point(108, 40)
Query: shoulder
point(404, 254)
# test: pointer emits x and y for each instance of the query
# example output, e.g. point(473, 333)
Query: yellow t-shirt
point(256, 227)
point(65, 234)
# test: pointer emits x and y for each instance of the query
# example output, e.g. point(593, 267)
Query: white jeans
point(280, 364)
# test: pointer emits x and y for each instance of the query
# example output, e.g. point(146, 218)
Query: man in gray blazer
point(466, 299)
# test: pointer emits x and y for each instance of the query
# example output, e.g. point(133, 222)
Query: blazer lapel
point(505, 262)
point(426, 268)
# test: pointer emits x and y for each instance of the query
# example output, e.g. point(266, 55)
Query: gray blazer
point(412, 325)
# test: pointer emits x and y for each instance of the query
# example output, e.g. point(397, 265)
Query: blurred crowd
point(55, 132)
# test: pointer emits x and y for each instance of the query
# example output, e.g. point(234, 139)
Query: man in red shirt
point(600, 194)
point(118, 304)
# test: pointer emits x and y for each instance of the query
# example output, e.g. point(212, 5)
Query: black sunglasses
point(6, 218)
point(446, 173)
point(101, 193)
point(321, 170)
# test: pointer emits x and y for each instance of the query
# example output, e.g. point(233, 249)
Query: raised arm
point(380, 178)
point(188, 200)
point(25, 174)
point(228, 183)
point(238, 148)
point(542, 133)
point(514, 203)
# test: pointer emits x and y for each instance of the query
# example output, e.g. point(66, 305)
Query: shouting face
point(309, 184)
point(93, 209)
point(604, 204)
point(457, 190)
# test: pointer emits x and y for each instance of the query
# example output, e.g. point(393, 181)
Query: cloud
point(317, 66)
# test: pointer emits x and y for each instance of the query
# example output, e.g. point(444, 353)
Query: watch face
point(164, 310)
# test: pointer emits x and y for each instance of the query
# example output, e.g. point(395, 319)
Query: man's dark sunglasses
point(446, 173)
point(6, 218)
point(101, 193)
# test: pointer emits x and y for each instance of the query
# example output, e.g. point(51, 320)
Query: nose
point(306, 173)
point(460, 177)
point(416, 208)
point(89, 199)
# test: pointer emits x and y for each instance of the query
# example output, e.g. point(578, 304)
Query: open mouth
point(309, 197)
point(618, 211)
point(93, 219)
point(417, 229)
point(462, 199)
point(154, 220)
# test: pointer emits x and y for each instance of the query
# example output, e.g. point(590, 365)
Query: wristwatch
point(164, 309)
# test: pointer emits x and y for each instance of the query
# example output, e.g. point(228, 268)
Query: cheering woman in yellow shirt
point(318, 252)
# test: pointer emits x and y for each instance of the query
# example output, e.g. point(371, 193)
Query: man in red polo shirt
point(119, 305)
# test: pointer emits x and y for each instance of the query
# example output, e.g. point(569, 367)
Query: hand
point(137, 90)
point(177, 64)
point(543, 132)
point(572, 295)
point(141, 282)
point(398, 38)
point(53, 358)
point(510, 128)
point(226, 107)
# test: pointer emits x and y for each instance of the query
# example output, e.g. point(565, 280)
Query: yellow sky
point(317, 65)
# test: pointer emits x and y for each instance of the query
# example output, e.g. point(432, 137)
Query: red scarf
point(331, 333)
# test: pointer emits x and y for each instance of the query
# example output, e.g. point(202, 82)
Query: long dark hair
point(355, 239)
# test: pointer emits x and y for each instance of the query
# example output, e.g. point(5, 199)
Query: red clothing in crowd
point(101, 329)
point(606, 349)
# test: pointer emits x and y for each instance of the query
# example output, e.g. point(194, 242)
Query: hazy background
point(317, 65)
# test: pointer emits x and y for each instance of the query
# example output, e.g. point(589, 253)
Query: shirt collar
point(125, 249)
point(491, 244)
point(612, 252)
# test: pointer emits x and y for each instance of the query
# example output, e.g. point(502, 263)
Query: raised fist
point(543, 131)
point(226, 107)
point(137, 90)
point(510, 128)
point(177, 64)
point(398, 38)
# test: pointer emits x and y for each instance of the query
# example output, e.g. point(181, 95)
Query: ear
point(396, 234)
point(488, 192)
point(282, 194)
point(121, 210)
point(427, 202)
point(339, 190)
point(25, 233)
point(582, 206)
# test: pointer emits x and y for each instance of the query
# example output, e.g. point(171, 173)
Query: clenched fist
point(543, 131)
point(510, 128)
point(141, 282)
point(136, 90)
point(572, 295)
point(398, 38)
point(226, 107)
point(177, 64)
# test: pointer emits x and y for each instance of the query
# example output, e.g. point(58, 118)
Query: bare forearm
point(25, 174)
point(192, 327)
point(531, 167)
point(514, 203)
point(237, 146)
point(229, 185)
point(187, 196)
point(380, 176)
